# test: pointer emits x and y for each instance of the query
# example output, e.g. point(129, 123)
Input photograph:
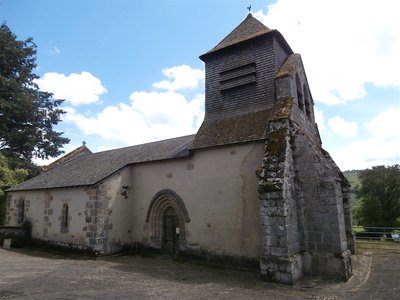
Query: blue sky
point(130, 72)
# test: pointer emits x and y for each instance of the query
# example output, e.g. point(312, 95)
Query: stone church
point(253, 186)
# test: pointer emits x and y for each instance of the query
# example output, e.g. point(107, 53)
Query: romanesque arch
point(161, 204)
point(307, 101)
point(300, 93)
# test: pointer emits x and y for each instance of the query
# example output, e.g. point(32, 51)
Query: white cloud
point(150, 116)
point(180, 77)
point(55, 50)
point(115, 123)
point(319, 118)
point(144, 120)
point(382, 147)
point(77, 89)
point(342, 127)
point(386, 124)
point(66, 148)
point(366, 153)
point(344, 44)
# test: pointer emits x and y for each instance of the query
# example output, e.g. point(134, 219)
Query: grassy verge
point(377, 246)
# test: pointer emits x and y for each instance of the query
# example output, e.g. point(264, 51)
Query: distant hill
point(352, 177)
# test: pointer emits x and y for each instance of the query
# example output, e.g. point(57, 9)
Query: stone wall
point(280, 260)
point(46, 214)
point(109, 214)
point(19, 235)
point(16, 210)
point(218, 187)
point(305, 212)
point(325, 242)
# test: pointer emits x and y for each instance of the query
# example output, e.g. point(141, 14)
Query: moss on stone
point(260, 173)
point(289, 66)
point(283, 108)
point(267, 187)
point(276, 145)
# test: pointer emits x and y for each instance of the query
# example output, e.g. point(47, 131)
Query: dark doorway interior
point(171, 231)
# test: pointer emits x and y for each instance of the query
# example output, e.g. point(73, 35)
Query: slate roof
point(82, 150)
point(250, 28)
point(232, 130)
point(92, 168)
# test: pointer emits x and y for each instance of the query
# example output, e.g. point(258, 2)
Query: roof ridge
point(149, 143)
point(249, 28)
point(77, 152)
point(91, 169)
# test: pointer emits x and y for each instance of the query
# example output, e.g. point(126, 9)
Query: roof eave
point(11, 190)
point(189, 153)
point(222, 145)
point(272, 32)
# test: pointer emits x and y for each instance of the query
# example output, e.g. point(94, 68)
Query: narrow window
point(66, 215)
point(307, 101)
point(64, 218)
point(300, 100)
point(21, 211)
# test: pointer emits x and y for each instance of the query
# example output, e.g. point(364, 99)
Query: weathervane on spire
point(249, 8)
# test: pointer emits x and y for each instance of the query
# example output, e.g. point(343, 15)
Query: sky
point(129, 70)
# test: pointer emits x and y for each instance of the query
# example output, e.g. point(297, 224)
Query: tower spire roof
point(248, 29)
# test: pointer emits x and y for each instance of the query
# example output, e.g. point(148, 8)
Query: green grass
point(358, 229)
point(377, 246)
point(355, 184)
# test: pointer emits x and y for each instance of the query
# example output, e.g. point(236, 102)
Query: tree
point(27, 115)
point(8, 178)
point(380, 196)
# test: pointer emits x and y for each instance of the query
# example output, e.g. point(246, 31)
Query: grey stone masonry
point(97, 225)
point(280, 260)
point(48, 212)
point(304, 205)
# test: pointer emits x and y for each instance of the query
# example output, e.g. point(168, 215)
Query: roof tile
point(248, 29)
point(91, 168)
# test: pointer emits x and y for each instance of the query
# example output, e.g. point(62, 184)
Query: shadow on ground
point(33, 273)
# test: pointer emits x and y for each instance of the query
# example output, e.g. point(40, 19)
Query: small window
point(65, 218)
point(307, 101)
point(300, 98)
point(21, 211)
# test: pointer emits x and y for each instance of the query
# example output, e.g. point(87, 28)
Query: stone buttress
point(304, 204)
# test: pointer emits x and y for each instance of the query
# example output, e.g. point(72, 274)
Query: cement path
point(35, 274)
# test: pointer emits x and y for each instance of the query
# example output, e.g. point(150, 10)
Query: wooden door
point(171, 231)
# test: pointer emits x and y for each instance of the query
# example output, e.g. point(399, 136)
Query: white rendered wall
point(219, 189)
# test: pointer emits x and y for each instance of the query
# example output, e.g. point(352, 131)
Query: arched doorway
point(170, 243)
point(167, 216)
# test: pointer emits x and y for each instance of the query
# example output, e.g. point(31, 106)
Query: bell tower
point(240, 70)
point(257, 91)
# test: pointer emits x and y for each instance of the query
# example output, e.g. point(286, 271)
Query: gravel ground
point(36, 274)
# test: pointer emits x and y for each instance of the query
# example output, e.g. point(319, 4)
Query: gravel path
point(35, 274)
